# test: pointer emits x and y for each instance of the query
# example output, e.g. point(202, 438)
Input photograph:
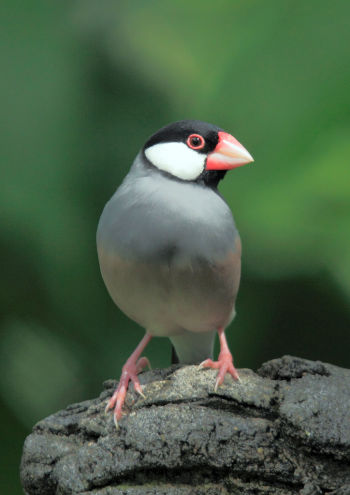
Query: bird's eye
point(195, 141)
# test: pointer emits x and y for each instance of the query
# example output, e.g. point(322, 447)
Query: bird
point(169, 250)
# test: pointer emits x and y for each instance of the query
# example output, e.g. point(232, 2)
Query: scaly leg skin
point(224, 363)
point(131, 368)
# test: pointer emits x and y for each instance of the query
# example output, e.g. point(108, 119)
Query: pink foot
point(130, 370)
point(224, 363)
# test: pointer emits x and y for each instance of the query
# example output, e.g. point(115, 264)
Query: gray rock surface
point(283, 430)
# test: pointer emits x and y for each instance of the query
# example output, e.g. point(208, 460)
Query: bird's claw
point(207, 363)
point(130, 371)
point(142, 363)
point(202, 364)
point(140, 392)
point(225, 365)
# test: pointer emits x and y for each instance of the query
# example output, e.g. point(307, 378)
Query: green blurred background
point(83, 84)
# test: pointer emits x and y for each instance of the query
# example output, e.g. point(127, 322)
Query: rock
point(283, 430)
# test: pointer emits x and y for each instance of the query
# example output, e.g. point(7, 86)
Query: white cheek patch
point(177, 159)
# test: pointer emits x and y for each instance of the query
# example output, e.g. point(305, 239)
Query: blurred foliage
point(83, 85)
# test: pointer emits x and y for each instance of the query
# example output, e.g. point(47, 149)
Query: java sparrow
point(169, 250)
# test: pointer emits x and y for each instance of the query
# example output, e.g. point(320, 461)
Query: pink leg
point(131, 368)
point(224, 363)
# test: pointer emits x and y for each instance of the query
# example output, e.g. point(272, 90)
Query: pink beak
point(228, 154)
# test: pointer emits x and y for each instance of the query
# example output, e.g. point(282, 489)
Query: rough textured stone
point(283, 430)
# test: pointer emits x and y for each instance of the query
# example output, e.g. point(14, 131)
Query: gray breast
point(152, 217)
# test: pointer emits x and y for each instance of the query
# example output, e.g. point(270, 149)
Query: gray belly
point(167, 299)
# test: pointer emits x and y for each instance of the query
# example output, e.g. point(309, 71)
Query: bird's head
point(191, 150)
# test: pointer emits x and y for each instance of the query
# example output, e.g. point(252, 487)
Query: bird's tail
point(174, 357)
point(192, 348)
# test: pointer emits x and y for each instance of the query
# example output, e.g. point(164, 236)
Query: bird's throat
point(211, 178)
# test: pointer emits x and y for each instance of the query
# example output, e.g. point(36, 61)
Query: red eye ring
point(195, 141)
